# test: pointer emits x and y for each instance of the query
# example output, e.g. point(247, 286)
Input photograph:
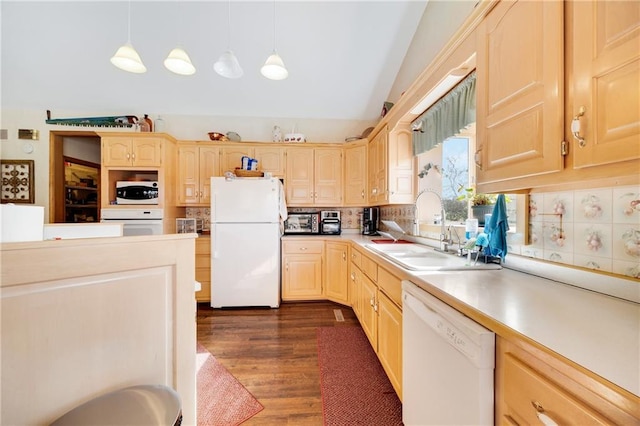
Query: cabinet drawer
point(303, 247)
point(525, 387)
point(356, 257)
point(203, 261)
point(391, 285)
point(370, 268)
point(203, 245)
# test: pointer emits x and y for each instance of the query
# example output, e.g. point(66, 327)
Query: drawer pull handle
point(542, 416)
point(303, 248)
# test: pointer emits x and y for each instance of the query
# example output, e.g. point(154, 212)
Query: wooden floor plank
point(274, 354)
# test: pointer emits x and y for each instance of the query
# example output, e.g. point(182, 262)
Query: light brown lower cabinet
point(302, 269)
point(377, 303)
point(203, 269)
point(532, 385)
point(390, 340)
point(336, 271)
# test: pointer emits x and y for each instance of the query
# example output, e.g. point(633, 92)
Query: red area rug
point(355, 388)
point(221, 399)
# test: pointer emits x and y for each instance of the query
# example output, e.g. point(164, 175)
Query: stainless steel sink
point(416, 257)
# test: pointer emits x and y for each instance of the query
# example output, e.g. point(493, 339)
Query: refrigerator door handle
point(214, 240)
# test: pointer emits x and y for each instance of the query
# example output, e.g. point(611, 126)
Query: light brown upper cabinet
point(400, 165)
point(270, 159)
point(196, 165)
point(231, 156)
point(355, 174)
point(558, 95)
point(391, 167)
point(314, 176)
point(520, 102)
point(377, 155)
point(118, 151)
point(606, 81)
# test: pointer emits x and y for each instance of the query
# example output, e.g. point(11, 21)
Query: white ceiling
point(342, 56)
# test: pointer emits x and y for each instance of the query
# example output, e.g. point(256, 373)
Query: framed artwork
point(17, 181)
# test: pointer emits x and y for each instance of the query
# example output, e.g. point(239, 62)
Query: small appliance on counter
point(301, 223)
point(187, 225)
point(137, 192)
point(370, 218)
point(330, 222)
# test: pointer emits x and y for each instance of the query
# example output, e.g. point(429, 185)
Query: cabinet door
point(203, 268)
point(336, 277)
point(328, 177)
point(232, 157)
point(302, 277)
point(355, 176)
point(188, 175)
point(209, 161)
point(354, 288)
point(378, 168)
point(116, 152)
point(390, 340)
point(270, 159)
point(299, 179)
point(401, 176)
point(520, 76)
point(369, 303)
point(606, 81)
point(146, 152)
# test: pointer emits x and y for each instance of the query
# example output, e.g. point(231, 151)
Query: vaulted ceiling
point(342, 56)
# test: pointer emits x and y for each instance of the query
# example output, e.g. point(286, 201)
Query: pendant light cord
point(229, 33)
point(129, 24)
point(274, 25)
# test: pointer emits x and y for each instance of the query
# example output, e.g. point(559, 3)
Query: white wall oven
point(135, 221)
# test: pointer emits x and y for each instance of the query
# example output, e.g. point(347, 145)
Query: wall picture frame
point(17, 181)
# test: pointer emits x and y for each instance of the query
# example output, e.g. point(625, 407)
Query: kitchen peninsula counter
point(83, 317)
point(597, 332)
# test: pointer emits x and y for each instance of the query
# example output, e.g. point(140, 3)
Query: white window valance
point(447, 117)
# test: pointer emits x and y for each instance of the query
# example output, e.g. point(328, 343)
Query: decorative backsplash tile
point(599, 229)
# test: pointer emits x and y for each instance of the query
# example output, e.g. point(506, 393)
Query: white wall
point(439, 22)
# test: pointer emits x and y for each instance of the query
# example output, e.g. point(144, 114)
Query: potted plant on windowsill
point(481, 204)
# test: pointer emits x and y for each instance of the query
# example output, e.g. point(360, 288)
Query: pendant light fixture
point(178, 61)
point(274, 68)
point(228, 65)
point(126, 57)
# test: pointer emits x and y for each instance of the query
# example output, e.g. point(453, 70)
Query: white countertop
point(599, 332)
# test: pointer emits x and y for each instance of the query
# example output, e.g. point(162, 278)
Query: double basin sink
point(416, 257)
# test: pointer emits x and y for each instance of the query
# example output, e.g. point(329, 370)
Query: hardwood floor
point(274, 354)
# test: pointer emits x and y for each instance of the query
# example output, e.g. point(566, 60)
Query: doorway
point(81, 145)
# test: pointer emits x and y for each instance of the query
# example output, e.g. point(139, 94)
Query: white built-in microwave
point(137, 192)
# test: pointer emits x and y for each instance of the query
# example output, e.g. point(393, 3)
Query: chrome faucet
point(444, 241)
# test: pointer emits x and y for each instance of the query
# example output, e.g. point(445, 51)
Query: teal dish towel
point(496, 229)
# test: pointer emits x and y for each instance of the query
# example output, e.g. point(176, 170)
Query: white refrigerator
point(245, 242)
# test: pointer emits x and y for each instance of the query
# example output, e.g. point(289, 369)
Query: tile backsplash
point(351, 217)
point(596, 229)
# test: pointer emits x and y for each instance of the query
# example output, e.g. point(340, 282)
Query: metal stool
point(146, 405)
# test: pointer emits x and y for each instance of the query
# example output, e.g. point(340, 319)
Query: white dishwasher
point(447, 363)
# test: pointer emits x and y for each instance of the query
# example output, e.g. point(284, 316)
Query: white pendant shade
point(274, 68)
point(228, 65)
point(178, 62)
point(127, 59)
